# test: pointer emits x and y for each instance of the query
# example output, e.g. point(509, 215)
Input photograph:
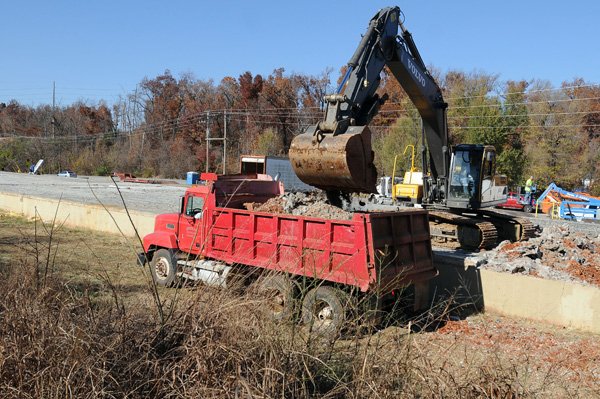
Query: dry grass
point(77, 319)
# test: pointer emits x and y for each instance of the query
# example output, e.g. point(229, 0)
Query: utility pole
point(224, 142)
point(53, 122)
point(135, 118)
point(223, 139)
point(207, 137)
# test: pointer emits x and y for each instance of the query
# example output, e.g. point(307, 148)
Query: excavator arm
point(336, 153)
point(360, 103)
point(408, 68)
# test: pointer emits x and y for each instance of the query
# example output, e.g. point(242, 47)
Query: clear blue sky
point(101, 49)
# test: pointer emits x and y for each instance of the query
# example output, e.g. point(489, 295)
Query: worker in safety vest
point(528, 188)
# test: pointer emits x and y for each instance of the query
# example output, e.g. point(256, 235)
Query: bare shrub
point(57, 339)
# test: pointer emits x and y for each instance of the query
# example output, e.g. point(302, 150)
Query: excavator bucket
point(343, 162)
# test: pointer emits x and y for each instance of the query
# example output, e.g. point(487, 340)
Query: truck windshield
point(194, 205)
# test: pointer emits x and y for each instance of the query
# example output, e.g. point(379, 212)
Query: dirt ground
point(547, 361)
point(89, 261)
point(547, 349)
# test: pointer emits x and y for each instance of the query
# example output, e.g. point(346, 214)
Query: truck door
point(487, 176)
point(190, 224)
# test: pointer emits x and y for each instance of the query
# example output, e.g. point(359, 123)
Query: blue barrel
point(192, 178)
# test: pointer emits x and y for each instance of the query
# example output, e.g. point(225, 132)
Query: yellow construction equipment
point(411, 188)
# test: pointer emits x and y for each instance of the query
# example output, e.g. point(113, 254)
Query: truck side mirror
point(181, 204)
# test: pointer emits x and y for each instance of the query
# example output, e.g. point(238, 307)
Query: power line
point(525, 103)
point(174, 124)
point(526, 92)
point(121, 136)
point(297, 119)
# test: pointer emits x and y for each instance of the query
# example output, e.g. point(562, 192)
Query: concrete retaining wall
point(73, 214)
point(557, 302)
point(561, 303)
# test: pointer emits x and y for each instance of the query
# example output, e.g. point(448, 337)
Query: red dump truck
point(214, 238)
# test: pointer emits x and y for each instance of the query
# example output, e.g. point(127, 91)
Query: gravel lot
point(152, 198)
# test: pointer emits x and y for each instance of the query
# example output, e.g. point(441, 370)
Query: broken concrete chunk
point(560, 253)
point(533, 253)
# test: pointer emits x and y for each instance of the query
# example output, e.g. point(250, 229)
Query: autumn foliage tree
point(160, 128)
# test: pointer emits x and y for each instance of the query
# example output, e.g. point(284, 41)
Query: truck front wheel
point(164, 267)
point(326, 310)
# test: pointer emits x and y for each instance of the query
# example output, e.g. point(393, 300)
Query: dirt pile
point(303, 204)
point(538, 347)
point(559, 253)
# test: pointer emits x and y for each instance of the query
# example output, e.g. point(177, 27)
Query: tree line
point(161, 128)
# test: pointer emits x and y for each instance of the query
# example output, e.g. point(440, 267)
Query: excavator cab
point(473, 183)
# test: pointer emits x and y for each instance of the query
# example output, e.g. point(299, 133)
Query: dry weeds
point(88, 328)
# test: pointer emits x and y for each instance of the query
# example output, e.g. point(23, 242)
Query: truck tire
point(164, 267)
point(527, 208)
point(326, 310)
point(280, 292)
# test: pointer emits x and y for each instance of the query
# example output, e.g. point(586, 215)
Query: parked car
point(67, 173)
point(517, 201)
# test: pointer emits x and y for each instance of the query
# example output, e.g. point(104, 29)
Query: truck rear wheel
point(280, 292)
point(164, 267)
point(326, 310)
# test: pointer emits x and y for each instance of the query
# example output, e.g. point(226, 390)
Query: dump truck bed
point(375, 250)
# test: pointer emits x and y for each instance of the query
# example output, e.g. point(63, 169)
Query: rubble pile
point(559, 253)
point(303, 204)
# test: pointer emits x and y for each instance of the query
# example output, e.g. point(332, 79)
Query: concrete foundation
point(557, 302)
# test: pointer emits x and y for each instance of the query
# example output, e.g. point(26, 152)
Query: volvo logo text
point(420, 78)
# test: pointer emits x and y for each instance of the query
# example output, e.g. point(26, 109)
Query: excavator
point(459, 182)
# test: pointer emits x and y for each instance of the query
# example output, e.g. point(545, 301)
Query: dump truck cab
point(180, 230)
point(184, 230)
point(190, 221)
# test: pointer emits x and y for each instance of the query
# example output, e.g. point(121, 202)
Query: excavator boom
point(336, 153)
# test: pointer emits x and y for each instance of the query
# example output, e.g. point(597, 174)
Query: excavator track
point(480, 232)
point(528, 228)
point(510, 227)
point(462, 231)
